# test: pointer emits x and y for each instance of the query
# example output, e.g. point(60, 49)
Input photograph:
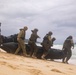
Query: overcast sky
point(58, 16)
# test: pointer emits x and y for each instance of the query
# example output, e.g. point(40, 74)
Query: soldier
point(68, 44)
point(21, 42)
point(47, 43)
point(52, 41)
point(32, 42)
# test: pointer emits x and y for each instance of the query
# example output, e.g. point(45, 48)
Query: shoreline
point(11, 64)
point(71, 60)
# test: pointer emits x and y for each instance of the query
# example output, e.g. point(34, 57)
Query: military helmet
point(70, 37)
point(50, 33)
point(25, 27)
point(53, 38)
point(35, 30)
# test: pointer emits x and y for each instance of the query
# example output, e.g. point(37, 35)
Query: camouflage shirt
point(33, 37)
point(21, 34)
point(68, 43)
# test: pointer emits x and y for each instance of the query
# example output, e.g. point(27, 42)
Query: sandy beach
point(11, 64)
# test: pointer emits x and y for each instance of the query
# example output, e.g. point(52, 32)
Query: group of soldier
point(47, 43)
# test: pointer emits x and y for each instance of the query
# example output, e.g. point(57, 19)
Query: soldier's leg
point(35, 50)
point(69, 55)
point(65, 55)
point(18, 49)
point(23, 47)
point(44, 54)
point(64, 59)
point(44, 50)
point(31, 52)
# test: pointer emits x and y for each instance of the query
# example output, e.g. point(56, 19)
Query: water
point(73, 57)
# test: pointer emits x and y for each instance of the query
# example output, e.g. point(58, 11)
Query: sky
point(58, 16)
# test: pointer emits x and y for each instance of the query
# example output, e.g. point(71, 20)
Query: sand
point(11, 64)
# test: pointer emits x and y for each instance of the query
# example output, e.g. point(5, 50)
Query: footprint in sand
point(49, 66)
point(3, 63)
point(13, 67)
point(29, 66)
point(70, 69)
point(56, 70)
point(35, 72)
point(9, 65)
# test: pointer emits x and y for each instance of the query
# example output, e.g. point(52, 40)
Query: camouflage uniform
point(47, 43)
point(21, 42)
point(32, 42)
point(53, 39)
point(67, 49)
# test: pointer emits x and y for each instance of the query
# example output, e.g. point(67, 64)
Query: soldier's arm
point(72, 43)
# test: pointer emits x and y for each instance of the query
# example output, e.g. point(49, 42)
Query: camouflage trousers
point(21, 46)
point(33, 48)
point(67, 55)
